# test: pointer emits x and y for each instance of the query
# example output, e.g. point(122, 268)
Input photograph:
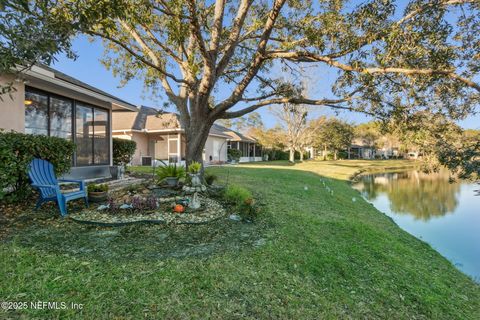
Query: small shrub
point(123, 151)
point(97, 187)
point(248, 210)
point(170, 170)
point(17, 150)
point(234, 154)
point(237, 195)
point(210, 178)
point(342, 155)
point(243, 202)
point(194, 167)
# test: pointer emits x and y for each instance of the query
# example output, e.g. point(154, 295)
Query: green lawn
point(311, 255)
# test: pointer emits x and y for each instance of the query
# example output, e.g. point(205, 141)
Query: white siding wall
point(216, 148)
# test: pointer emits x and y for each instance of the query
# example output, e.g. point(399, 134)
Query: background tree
point(272, 140)
point(424, 132)
point(293, 118)
point(243, 124)
point(369, 133)
point(190, 49)
point(334, 135)
point(26, 40)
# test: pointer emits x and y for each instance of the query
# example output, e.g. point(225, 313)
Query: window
point(91, 135)
point(48, 115)
point(100, 140)
point(84, 134)
point(61, 117)
point(36, 113)
point(52, 115)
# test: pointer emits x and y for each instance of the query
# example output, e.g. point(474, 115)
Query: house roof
point(151, 119)
point(47, 73)
point(233, 135)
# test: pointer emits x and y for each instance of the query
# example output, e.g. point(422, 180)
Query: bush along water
point(17, 150)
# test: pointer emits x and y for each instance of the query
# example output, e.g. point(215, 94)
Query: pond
point(445, 215)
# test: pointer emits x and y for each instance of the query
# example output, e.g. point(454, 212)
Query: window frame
point(74, 124)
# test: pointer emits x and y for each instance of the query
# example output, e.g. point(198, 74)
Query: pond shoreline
point(357, 174)
point(430, 208)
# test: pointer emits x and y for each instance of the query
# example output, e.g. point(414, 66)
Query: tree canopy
point(392, 60)
point(335, 135)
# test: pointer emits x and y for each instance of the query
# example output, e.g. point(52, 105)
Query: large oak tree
point(213, 59)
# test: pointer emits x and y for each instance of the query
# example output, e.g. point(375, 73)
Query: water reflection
point(444, 214)
point(422, 195)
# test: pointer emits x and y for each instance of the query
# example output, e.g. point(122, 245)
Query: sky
point(88, 68)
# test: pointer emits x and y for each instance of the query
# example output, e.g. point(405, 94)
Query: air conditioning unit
point(147, 161)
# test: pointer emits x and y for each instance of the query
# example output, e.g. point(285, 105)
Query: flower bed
point(211, 210)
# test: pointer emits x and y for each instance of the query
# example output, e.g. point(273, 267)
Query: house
point(251, 150)
point(48, 102)
point(360, 150)
point(159, 136)
point(388, 152)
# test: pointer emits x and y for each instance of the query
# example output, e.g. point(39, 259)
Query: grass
point(312, 254)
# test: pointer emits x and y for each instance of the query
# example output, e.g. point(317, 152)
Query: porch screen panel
point(61, 117)
point(84, 134)
point(100, 142)
point(258, 150)
point(36, 113)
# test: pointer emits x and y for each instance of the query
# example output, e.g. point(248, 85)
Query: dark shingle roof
point(234, 135)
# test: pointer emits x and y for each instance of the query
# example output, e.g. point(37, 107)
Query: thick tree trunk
point(196, 135)
point(301, 155)
point(291, 157)
point(335, 155)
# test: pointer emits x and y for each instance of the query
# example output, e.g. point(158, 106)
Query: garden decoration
point(97, 192)
point(194, 173)
point(178, 208)
point(43, 178)
point(195, 186)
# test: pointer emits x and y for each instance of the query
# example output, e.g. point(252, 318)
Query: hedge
point(123, 151)
point(17, 150)
point(275, 154)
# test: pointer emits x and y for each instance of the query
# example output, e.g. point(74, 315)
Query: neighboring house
point(251, 150)
point(159, 136)
point(360, 150)
point(311, 151)
point(413, 154)
point(387, 153)
point(48, 102)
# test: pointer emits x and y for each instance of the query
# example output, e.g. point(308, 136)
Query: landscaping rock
point(234, 217)
point(103, 207)
point(210, 210)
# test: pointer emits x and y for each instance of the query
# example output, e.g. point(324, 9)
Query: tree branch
point(136, 55)
point(234, 35)
point(256, 63)
point(427, 6)
point(217, 28)
point(310, 57)
point(322, 102)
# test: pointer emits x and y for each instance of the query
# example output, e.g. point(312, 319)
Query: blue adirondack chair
point(43, 178)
